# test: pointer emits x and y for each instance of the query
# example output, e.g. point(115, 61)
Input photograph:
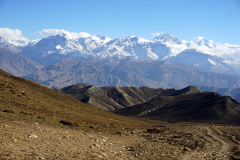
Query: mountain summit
point(166, 38)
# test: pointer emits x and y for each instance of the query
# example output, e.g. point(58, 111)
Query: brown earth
point(30, 140)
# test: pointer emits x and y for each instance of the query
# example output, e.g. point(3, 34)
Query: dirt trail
point(219, 149)
point(226, 145)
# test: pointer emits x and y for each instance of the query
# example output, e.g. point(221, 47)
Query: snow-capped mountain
point(53, 48)
point(200, 41)
point(166, 38)
point(137, 48)
point(203, 53)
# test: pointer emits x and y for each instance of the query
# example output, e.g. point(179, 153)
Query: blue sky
point(217, 20)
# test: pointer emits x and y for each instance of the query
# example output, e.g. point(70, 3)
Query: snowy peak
point(20, 43)
point(130, 40)
point(52, 43)
point(84, 37)
point(137, 48)
point(93, 41)
point(200, 41)
point(137, 39)
point(166, 38)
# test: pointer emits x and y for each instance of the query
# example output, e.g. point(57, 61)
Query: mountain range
point(156, 74)
point(98, 60)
